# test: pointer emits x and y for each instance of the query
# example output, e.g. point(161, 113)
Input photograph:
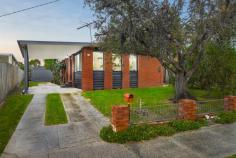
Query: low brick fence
point(187, 110)
point(10, 77)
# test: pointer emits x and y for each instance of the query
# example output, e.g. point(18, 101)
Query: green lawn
point(103, 100)
point(31, 83)
point(55, 112)
point(10, 114)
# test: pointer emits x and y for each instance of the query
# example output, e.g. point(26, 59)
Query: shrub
point(136, 133)
point(185, 125)
point(226, 117)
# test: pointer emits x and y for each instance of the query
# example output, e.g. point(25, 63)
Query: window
point(97, 61)
point(116, 62)
point(78, 63)
point(133, 63)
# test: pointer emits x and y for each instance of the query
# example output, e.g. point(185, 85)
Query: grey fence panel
point(10, 77)
point(41, 74)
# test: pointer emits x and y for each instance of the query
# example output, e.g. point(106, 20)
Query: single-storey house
point(91, 69)
point(87, 68)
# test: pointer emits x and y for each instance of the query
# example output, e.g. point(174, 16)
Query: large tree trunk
point(181, 90)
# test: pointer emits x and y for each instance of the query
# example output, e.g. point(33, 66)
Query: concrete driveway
point(80, 137)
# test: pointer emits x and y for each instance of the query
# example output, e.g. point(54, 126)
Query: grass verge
point(55, 112)
point(10, 114)
point(232, 156)
point(146, 132)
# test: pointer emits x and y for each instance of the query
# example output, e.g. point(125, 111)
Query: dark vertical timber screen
point(117, 79)
point(98, 80)
point(133, 79)
point(77, 80)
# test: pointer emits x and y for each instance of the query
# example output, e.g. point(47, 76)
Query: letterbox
point(128, 98)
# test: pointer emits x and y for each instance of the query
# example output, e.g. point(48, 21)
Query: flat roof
point(23, 43)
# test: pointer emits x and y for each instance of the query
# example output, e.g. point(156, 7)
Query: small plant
point(226, 117)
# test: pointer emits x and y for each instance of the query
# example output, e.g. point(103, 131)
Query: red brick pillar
point(125, 71)
point(230, 103)
point(120, 118)
point(72, 69)
point(107, 70)
point(87, 68)
point(66, 71)
point(187, 109)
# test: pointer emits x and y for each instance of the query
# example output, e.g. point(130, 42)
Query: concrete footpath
point(80, 137)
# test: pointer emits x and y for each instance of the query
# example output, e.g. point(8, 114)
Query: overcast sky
point(57, 22)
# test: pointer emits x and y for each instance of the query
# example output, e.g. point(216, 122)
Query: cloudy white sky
point(56, 22)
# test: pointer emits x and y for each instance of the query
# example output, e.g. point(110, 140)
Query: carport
point(46, 50)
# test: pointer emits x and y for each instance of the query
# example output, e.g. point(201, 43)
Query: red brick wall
point(87, 68)
point(150, 72)
point(125, 71)
point(107, 71)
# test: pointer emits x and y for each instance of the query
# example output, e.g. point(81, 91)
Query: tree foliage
point(55, 66)
point(21, 65)
point(217, 70)
point(34, 62)
point(174, 31)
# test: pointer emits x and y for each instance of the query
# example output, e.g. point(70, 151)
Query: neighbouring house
point(8, 58)
point(87, 68)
